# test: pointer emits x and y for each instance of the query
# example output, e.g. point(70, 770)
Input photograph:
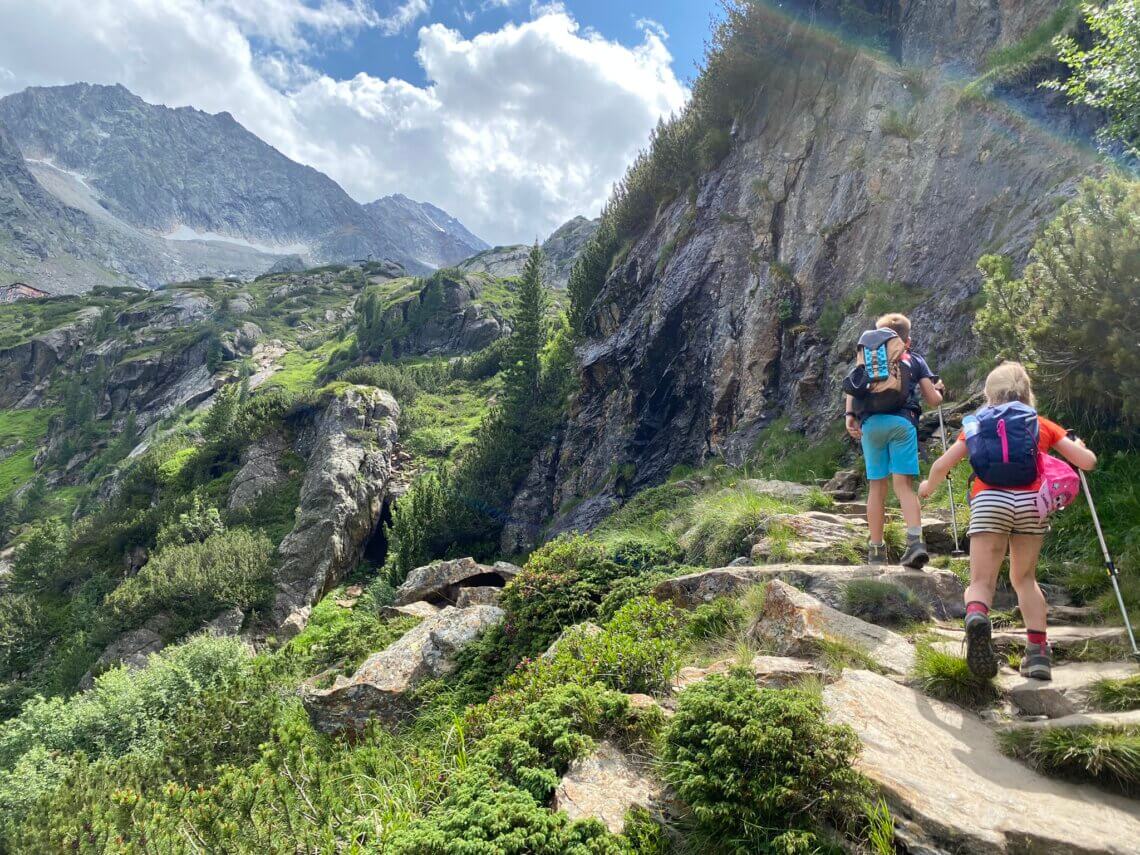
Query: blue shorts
point(890, 446)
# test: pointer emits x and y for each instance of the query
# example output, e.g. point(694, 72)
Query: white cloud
point(404, 15)
point(516, 131)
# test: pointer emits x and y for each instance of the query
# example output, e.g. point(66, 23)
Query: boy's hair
point(1007, 383)
point(899, 323)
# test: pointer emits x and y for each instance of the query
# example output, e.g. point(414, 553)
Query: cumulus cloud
point(515, 131)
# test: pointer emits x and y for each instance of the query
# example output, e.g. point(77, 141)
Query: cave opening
point(376, 547)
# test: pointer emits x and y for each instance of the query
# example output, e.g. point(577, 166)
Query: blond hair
point(1007, 383)
point(899, 323)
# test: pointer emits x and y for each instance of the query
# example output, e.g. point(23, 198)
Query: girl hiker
point(1004, 517)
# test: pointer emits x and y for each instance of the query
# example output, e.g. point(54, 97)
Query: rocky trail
point(939, 765)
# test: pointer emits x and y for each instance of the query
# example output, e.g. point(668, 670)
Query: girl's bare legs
point(1023, 552)
point(986, 553)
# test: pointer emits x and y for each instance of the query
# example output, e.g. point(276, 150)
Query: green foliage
point(1106, 75)
point(194, 526)
point(342, 638)
point(195, 581)
point(41, 561)
point(1070, 315)
point(21, 432)
point(719, 526)
point(1105, 755)
point(896, 125)
point(528, 337)
point(562, 584)
point(883, 603)
point(1021, 59)
point(1117, 695)
point(782, 454)
point(947, 677)
point(760, 768)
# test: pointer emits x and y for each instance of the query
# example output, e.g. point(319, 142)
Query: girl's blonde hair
point(1007, 383)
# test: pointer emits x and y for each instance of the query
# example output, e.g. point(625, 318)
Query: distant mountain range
point(96, 185)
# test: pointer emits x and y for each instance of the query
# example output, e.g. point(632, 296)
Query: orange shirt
point(1049, 434)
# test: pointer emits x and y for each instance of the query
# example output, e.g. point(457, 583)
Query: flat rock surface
point(1067, 693)
point(794, 623)
point(1063, 639)
point(604, 786)
point(442, 580)
point(813, 537)
point(1099, 719)
point(942, 772)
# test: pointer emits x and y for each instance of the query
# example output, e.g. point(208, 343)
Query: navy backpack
point(1002, 441)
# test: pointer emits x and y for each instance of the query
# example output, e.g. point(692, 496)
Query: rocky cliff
point(851, 179)
point(561, 249)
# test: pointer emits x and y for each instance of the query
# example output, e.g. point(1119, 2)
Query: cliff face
point(847, 170)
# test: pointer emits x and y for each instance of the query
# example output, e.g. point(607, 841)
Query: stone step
point(1065, 640)
point(1062, 615)
point(1100, 719)
point(1067, 693)
point(952, 790)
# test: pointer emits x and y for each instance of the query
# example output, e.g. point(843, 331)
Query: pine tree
point(527, 339)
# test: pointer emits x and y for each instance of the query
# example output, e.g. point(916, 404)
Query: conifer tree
point(527, 338)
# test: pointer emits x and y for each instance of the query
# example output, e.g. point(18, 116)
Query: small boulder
point(131, 649)
point(419, 609)
point(1067, 693)
point(605, 785)
point(441, 581)
point(379, 688)
point(844, 484)
point(795, 623)
point(789, 491)
point(814, 537)
point(227, 624)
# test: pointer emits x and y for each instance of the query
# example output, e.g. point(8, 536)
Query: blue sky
point(685, 21)
point(512, 115)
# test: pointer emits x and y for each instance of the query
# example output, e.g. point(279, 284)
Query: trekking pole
point(1109, 564)
point(950, 487)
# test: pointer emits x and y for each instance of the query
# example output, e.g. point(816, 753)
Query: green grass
point(442, 422)
point(1008, 63)
point(787, 455)
point(883, 603)
point(300, 369)
point(946, 677)
point(1107, 756)
point(718, 527)
point(1117, 695)
point(29, 428)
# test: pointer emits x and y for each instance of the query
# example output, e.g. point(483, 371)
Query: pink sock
point(975, 606)
point(1034, 636)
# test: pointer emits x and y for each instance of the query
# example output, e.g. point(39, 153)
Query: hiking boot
point(981, 658)
point(876, 555)
point(1037, 663)
point(916, 555)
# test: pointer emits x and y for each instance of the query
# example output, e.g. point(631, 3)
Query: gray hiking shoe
point(916, 555)
point(1037, 663)
point(876, 555)
point(981, 658)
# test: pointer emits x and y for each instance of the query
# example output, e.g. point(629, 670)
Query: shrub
point(195, 525)
point(896, 125)
point(760, 768)
point(1063, 317)
point(883, 603)
point(947, 677)
point(384, 376)
point(719, 527)
point(41, 562)
point(562, 584)
point(196, 581)
point(1104, 755)
point(1117, 695)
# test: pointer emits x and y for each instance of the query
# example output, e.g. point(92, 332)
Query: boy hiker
point(882, 412)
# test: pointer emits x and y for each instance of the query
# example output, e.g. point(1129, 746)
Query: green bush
point(195, 525)
point(562, 584)
point(948, 678)
point(883, 603)
point(41, 561)
point(394, 378)
point(1104, 755)
point(720, 526)
point(196, 581)
point(760, 768)
point(1063, 317)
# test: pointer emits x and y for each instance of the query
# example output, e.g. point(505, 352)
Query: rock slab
point(604, 786)
point(794, 623)
point(1067, 693)
point(345, 485)
point(378, 690)
point(941, 771)
point(441, 581)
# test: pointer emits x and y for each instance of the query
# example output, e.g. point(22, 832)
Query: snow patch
point(184, 232)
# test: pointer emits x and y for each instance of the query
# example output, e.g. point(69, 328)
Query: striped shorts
point(1006, 512)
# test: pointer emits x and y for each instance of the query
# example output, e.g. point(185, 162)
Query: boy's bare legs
point(1023, 552)
point(987, 550)
point(908, 500)
point(877, 508)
